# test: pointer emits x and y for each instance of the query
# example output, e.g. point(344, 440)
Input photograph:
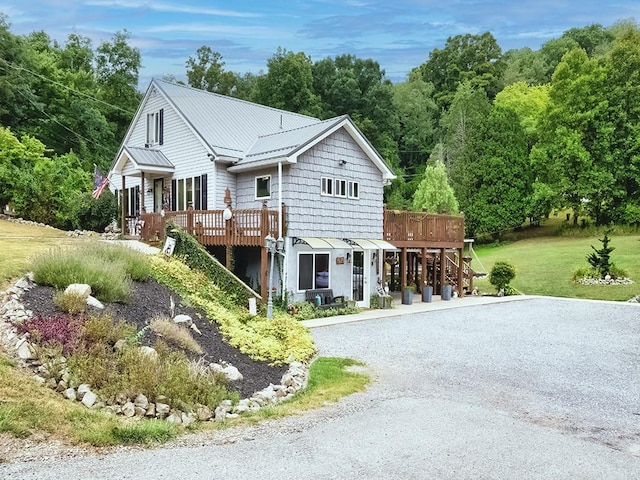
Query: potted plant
point(407, 294)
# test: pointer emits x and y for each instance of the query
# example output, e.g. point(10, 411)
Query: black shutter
point(203, 187)
point(174, 195)
point(161, 134)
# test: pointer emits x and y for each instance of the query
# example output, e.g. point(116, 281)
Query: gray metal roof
point(230, 126)
point(147, 157)
point(285, 143)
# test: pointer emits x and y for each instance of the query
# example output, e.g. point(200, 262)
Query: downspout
point(283, 280)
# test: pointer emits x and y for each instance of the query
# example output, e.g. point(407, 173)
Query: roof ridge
point(227, 97)
point(328, 120)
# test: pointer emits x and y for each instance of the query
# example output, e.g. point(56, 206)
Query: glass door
point(158, 186)
point(359, 278)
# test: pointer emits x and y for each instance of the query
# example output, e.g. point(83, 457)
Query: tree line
point(501, 136)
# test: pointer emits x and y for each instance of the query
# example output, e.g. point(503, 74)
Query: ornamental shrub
point(501, 274)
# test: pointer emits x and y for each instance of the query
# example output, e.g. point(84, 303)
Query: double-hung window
point(263, 187)
point(155, 128)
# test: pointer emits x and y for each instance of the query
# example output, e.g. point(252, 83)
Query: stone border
point(56, 375)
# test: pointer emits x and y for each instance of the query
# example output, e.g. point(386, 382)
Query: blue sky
point(399, 34)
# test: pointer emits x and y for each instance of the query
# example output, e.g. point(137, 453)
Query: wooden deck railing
point(245, 228)
point(407, 229)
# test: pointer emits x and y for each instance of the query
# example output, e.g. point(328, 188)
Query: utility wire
point(17, 67)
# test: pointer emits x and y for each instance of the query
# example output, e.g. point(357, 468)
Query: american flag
point(99, 183)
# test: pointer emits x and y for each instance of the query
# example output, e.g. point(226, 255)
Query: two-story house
point(232, 172)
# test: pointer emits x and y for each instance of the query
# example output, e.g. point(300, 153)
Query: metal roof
point(229, 125)
point(286, 142)
point(147, 157)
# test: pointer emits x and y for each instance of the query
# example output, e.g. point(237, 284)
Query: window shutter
point(203, 186)
point(174, 192)
point(161, 133)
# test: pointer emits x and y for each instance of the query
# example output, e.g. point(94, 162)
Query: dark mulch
point(150, 299)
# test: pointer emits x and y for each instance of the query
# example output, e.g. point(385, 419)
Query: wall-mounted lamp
point(227, 214)
point(342, 162)
point(348, 257)
point(211, 156)
point(149, 190)
point(374, 257)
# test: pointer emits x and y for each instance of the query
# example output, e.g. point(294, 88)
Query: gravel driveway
point(537, 388)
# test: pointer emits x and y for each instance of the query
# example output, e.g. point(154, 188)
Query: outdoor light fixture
point(342, 162)
point(348, 257)
point(273, 246)
point(227, 214)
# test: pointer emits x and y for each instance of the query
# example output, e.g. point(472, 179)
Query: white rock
point(232, 373)
point(70, 393)
point(141, 401)
point(149, 352)
point(94, 302)
point(39, 379)
point(26, 351)
point(175, 417)
point(83, 388)
point(89, 399)
point(81, 289)
point(162, 409)
point(183, 319)
point(129, 409)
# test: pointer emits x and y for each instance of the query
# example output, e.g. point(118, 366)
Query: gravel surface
point(532, 389)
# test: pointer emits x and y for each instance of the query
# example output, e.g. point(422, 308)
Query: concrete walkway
point(416, 307)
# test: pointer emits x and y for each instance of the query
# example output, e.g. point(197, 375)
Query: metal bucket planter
point(446, 292)
point(407, 296)
point(427, 293)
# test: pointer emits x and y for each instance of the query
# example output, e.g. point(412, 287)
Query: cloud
point(170, 8)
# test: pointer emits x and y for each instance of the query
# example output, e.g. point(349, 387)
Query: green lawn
point(545, 265)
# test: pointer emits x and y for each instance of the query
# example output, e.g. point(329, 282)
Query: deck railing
point(244, 228)
point(402, 228)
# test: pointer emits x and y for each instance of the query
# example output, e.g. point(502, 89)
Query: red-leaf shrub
point(59, 330)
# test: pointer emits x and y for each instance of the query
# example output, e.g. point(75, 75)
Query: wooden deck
point(406, 229)
point(245, 227)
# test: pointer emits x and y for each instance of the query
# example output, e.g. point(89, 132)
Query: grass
point(545, 264)
point(330, 379)
point(21, 243)
point(174, 333)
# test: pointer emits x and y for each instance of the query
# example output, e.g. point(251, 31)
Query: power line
point(17, 67)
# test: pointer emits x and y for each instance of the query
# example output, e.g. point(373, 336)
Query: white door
point(360, 269)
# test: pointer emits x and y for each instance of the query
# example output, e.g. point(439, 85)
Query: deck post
point(264, 290)
point(227, 260)
point(423, 276)
point(443, 268)
point(403, 269)
point(460, 273)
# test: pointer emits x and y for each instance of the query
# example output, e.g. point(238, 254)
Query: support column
point(227, 260)
point(443, 268)
point(403, 269)
point(142, 192)
point(423, 276)
point(460, 273)
point(123, 209)
point(263, 273)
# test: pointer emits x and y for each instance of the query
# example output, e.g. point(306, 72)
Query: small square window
point(263, 187)
point(326, 186)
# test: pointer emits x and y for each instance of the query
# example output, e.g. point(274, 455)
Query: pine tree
point(599, 258)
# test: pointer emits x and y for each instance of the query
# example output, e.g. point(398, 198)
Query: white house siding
point(224, 180)
point(180, 145)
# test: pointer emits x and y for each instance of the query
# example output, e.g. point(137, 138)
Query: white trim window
point(263, 187)
point(354, 190)
point(326, 187)
point(155, 127)
point(341, 188)
point(313, 270)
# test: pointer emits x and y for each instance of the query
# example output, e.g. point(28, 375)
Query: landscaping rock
point(89, 398)
point(186, 319)
point(129, 409)
point(203, 413)
point(26, 351)
point(162, 410)
point(175, 417)
point(81, 289)
point(70, 393)
point(141, 401)
point(149, 352)
point(94, 302)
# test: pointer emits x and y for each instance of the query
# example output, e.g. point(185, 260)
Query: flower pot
point(446, 292)
point(407, 296)
point(427, 293)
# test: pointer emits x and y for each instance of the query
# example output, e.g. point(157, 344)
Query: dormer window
point(155, 128)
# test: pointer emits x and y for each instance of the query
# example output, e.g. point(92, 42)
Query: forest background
point(504, 137)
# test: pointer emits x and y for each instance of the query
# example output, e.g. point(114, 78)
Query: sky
point(398, 34)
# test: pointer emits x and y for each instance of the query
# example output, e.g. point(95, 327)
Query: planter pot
point(427, 293)
point(407, 296)
point(386, 302)
point(446, 292)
